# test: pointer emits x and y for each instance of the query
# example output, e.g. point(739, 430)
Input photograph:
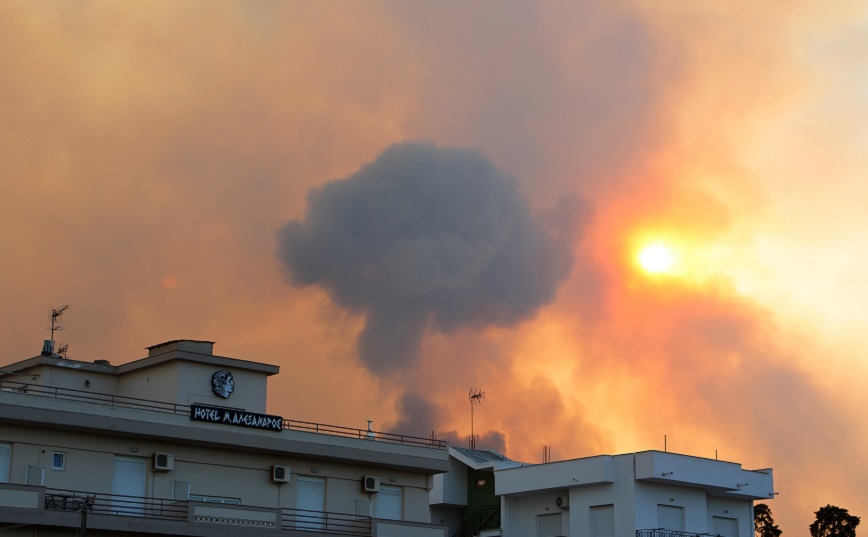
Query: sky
point(399, 201)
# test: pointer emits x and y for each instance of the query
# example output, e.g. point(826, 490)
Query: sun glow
point(656, 258)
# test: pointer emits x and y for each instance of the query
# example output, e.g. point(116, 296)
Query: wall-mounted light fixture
point(87, 383)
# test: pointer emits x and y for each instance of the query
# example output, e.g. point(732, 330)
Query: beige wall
point(158, 383)
point(194, 386)
point(210, 472)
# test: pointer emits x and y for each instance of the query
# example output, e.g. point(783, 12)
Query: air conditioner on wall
point(563, 502)
point(371, 484)
point(280, 474)
point(163, 462)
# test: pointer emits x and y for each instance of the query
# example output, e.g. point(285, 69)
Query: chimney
point(47, 347)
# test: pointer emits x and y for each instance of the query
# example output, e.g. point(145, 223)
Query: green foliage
point(763, 523)
point(834, 522)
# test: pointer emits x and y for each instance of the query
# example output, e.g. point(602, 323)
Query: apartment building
point(180, 443)
point(645, 494)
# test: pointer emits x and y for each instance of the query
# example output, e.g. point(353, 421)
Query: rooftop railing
point(172, 408)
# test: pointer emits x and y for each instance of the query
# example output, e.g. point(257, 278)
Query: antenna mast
point(48, 348)
point(56, 319)
point(475, 396)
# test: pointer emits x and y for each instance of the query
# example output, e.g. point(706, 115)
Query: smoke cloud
point(428, 238)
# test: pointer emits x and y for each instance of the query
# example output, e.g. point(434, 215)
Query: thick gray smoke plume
point(427, 238)
point(420, 417)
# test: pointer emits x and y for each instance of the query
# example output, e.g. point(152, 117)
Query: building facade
point(180, 443)
point(645, 494)
point(464, 498)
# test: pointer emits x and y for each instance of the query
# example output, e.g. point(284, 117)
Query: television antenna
point(475, 396)
point(56, 319)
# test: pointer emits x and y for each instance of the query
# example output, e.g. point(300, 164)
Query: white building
point(179, 443)
point(646, 494)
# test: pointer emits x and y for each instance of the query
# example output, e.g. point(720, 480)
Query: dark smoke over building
point(428, 238)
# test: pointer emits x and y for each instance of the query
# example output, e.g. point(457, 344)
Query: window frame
point(54, 457)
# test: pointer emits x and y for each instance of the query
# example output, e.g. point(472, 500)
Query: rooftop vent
point(102, 362)
point(47, 347)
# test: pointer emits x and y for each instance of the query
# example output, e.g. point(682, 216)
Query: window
point(670, 517)
point(603, 521)
point(549, 525)
point(214, 499)
point(5, 460)
point(58, 460)
point(389, 503)
point(725, 526)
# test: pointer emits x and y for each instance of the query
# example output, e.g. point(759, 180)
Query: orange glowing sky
point(150, 151)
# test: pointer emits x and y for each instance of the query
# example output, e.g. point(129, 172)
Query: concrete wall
point(619, 493)
point(732, 508)
point(158, 383)
point(194, 386)
point(555, 475)
point(210, 472)
point(692, 500)
point(388, 528)
point(519, 513)
point(450, 488)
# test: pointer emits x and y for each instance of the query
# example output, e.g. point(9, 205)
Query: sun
point(656, 258)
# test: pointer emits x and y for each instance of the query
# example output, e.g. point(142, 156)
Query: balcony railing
point(662, 532)
point(171, 408)
point(181, 511)
point(316, 521)
point(115, 504)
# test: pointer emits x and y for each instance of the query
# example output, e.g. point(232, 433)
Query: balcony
point(24, 504)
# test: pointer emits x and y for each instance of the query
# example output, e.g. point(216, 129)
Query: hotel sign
point(231, 416)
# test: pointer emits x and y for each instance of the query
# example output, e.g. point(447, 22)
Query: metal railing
point(324, 522)
point(662, 532)
point(114, 504)
point(337, 430)
point(486, 517)
point(93, 397)
point(158, 508)
point(172, 408)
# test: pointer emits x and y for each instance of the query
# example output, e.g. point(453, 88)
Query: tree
point(834, 522)
point(763, 523)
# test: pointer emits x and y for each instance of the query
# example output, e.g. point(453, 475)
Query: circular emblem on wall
point(222, 383)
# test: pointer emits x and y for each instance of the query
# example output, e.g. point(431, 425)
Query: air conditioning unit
point(371, 484)
point(163, 462)
point(280, 474)
point(563, 502)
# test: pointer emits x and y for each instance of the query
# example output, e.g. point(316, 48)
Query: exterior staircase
point(484, 522)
